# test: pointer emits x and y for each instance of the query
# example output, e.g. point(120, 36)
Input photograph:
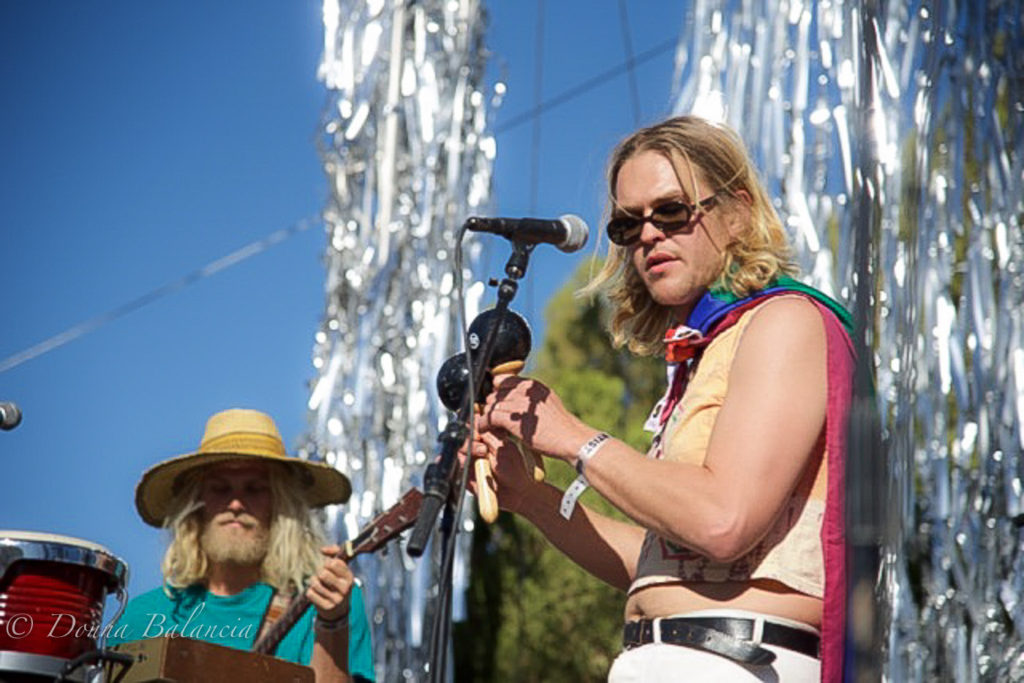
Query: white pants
point(670, 663)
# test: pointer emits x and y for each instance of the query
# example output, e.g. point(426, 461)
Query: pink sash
point(833, 530)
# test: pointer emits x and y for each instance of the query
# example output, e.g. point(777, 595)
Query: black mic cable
point(440, 634)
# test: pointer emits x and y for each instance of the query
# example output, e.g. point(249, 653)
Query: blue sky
point(142, 141)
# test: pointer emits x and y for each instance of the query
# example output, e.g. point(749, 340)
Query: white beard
point(246, 546)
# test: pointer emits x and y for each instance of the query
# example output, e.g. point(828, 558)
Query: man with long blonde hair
point(732, 561)
point(244, 540)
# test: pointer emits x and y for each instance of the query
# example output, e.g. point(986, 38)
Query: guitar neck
point(383, 528)
point(268, 642)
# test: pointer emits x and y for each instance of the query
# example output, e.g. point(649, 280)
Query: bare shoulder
point(791, 316)
point(782, 360)
point(784, 326)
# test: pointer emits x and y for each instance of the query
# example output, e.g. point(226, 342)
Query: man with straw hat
point(243, 542)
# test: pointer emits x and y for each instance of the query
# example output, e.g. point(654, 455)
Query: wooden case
point(184, 660)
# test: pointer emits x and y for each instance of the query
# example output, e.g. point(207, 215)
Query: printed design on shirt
point(660, 556)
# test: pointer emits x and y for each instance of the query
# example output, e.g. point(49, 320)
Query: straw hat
point(236, 434)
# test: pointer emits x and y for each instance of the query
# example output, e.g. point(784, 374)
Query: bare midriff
point(766, 597)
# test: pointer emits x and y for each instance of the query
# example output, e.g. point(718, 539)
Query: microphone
point(569, 233)
point(10, 416)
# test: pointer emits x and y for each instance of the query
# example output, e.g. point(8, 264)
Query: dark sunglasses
point(670, 218)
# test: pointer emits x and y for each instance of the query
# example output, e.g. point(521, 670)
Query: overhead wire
point(587, 85)
point(94, 323)
point(535, 150)
point(538, 93)
point(253, 248)
point(627, 44)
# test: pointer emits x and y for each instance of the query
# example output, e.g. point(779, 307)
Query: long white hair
point(296, 536)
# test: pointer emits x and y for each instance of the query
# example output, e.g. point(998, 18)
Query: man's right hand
point(514, 482)
point(535, 415)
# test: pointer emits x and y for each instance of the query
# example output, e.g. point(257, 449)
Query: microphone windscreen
point(578, 233)
point(10, 416)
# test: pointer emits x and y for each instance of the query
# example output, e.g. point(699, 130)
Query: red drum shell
point(52, 593)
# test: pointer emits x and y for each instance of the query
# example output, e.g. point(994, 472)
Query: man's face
point(676, 268)
point(236, 512)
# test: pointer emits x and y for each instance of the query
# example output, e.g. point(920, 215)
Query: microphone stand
point(440, 474)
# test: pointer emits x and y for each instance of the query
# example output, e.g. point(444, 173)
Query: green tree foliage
point(533, 615)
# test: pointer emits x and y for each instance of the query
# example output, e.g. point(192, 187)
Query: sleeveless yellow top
point(791, 552)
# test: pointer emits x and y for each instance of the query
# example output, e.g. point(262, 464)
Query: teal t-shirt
point(234, 621)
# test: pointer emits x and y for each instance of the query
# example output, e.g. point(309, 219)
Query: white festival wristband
point(580, 484)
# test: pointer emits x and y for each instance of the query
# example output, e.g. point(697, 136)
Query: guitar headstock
point(388, 524)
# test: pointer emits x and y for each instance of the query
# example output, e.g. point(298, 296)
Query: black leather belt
point(727, 636)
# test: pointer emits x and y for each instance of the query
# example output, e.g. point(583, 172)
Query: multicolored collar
point(684, 341)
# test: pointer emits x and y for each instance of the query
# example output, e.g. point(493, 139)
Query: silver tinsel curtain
point(916, 110)
point(405, 146)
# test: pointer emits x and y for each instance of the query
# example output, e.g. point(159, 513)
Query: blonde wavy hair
point(756, 257)
point(296, 536)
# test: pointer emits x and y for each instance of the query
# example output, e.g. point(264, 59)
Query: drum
point(52, 593)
